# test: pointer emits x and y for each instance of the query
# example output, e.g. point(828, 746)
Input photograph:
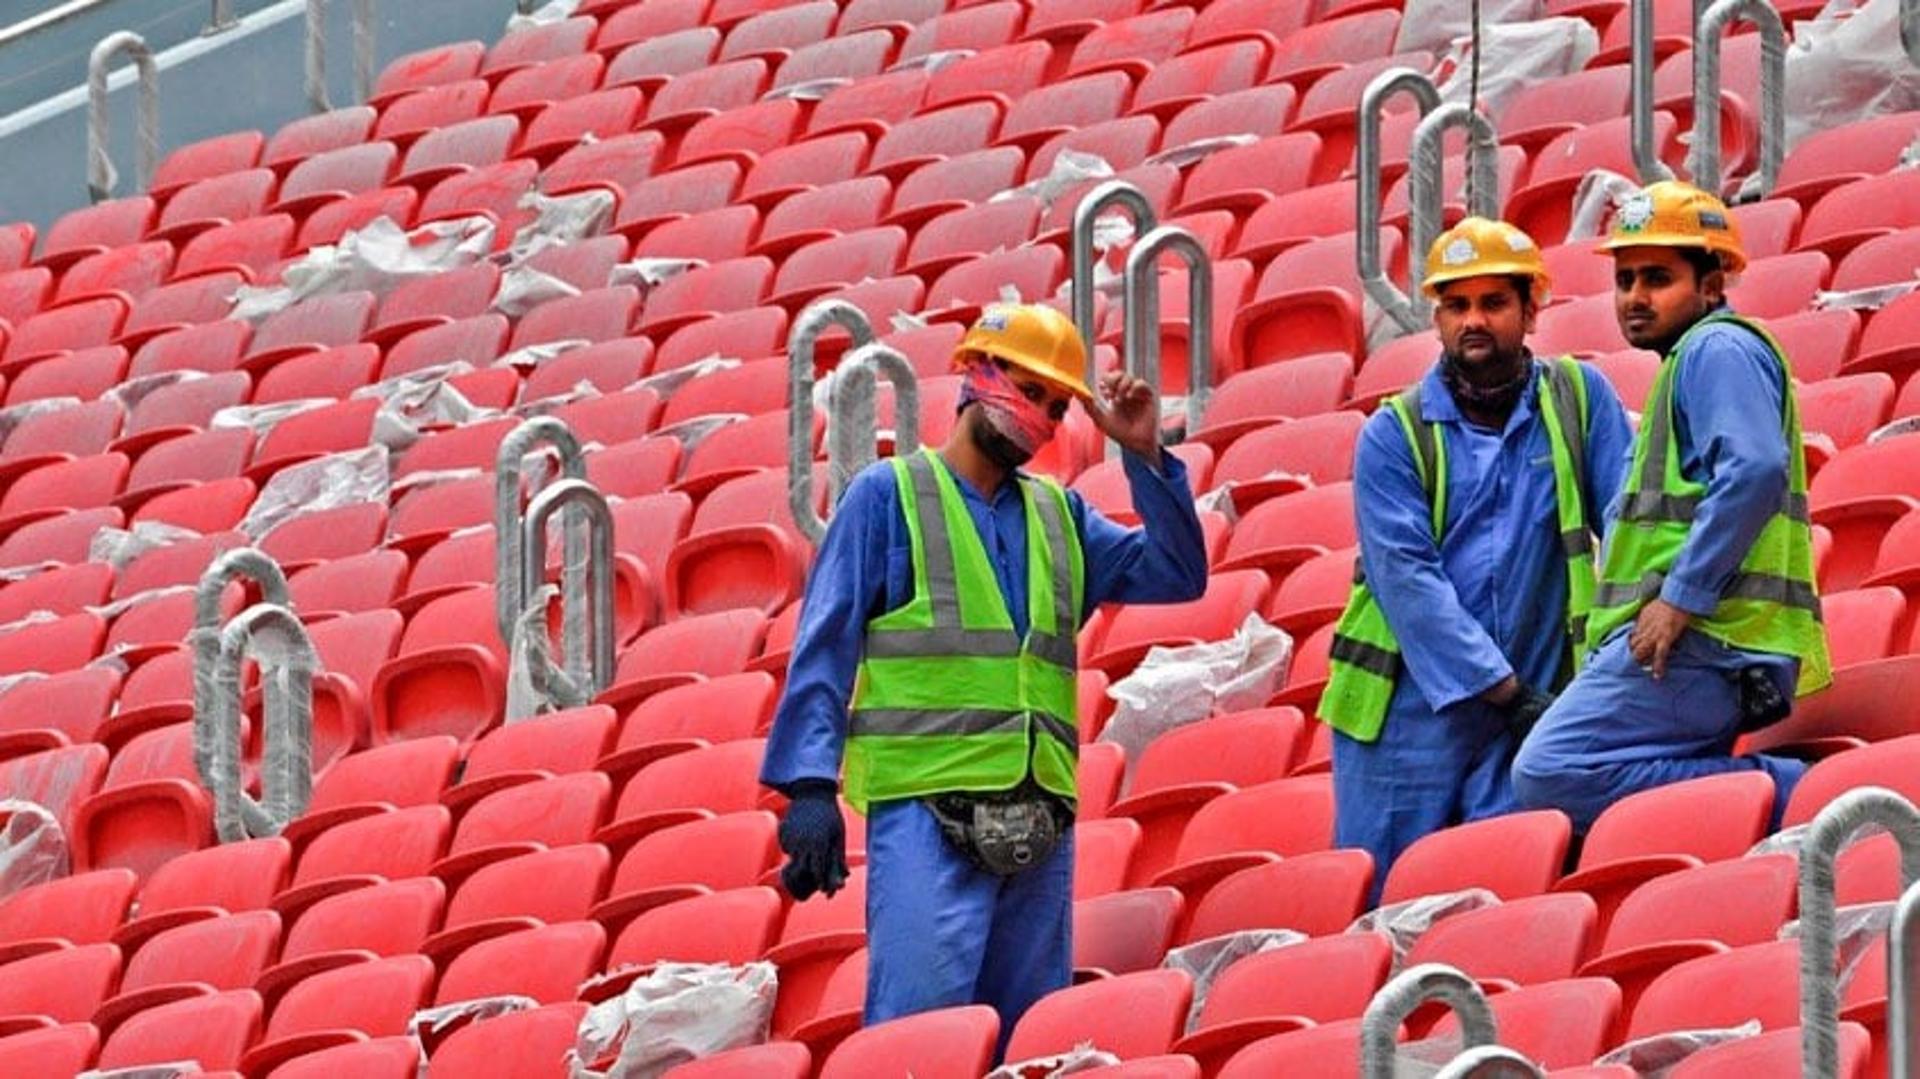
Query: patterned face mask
point(1020, 421)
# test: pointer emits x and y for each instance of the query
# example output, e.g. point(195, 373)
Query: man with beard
point(935, 653)
point(1476, 492)
point(1707, 621)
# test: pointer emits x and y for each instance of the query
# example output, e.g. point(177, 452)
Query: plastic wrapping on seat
point(16, 415)
point(1601, 192)
point(675, 1013)
point(1842, 70)
point(1654, 1055)
point(1173, 687)
point(560, 220)
point(1082, 1058)
point(261, 419)
point(33, 849)
point(1206, 960)
point(179, 1069)
point(374, 258)
point(119, 547)
point(1855, 929)
point(554, 11)
point(419, 399)
point(1404, 923)
point(341, 479)
point(647, 274)
point(429, 1026)
point(536, 685)
point(1872, 298)
point(523, 288)
point(1070, 169)
point(1434, 26)
point(1514, 56)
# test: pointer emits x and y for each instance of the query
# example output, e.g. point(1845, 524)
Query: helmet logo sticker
point(1518, 241)
point(1635, 215)
point(994, 318)
point(1713, 219)
point(1459, 253)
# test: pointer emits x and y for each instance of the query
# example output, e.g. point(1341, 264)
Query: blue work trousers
point(1616, 730)
point(942, 933)
point(1425, 772)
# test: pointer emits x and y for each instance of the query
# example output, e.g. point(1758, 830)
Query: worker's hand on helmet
point(1128, 411)
point(814, 837)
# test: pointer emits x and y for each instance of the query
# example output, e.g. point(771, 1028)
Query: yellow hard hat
point(1674, 214)
point(1477, 247)
point(1033, 337)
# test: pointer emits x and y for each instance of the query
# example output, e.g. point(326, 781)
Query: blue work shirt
point(865, 567)
point(1728, 397)
point(1490, 599)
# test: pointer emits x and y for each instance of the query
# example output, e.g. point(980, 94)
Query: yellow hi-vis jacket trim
point(1364, 661)
point(948, 697)
point(1772, 604)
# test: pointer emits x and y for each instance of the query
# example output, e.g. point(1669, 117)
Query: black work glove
point(1524, 710)
point(814, 838)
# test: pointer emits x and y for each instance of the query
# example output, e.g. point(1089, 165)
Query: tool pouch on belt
point(1002, 832)
point(1761, 702)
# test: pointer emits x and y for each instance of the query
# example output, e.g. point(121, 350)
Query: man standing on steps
point(1477, 492)
point(935, 662)
point(1707, 619)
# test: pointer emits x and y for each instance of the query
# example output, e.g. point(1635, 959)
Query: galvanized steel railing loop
point(100, 177)
point(286, 691)
point(510, 595)
point(363, 69)
point(1380, 1026)
point(1426, 178)
point(1910, 29)
point(802, 340)
point(1819, 950)
point(850, 437)
point(1703, 160)
point(1903, 982)
point(230, 566)
point(1490, 1062)
point(1646, 156)
point(1141, 341)
point(220, 19)
point(1113, 193)
point(1398, 305)
point(589, 663)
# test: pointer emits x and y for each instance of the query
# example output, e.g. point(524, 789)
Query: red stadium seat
point(1320, 981)
point(213, 1030)
point(1533, 847)
point(735, 850)
point(1760, 982)
point(1133, 1015)
point(533, 1044)
point(950, 1043)
point(1316, 894)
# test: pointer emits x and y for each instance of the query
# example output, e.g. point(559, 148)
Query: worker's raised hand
point(1655, 632)
point(1128, 411)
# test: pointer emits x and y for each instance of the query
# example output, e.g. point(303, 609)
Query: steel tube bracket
point(1399, 306)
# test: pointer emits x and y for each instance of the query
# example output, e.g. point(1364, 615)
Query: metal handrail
point(221, 19)
point(1369, 181)
point(1646, 156)
point(1903, 982)
point(241, 562)
point(1490, 1062)
point(853, 427)
point(1141, 340)
point(802, 341)
point(286, 690)
point(100, 173)
point(1819, 949)
point(1910, 29)
point(1708, 35)
point(1380, 1026)
point(363, 73)
point(1426, 178)
point(1114, 193)
point(510, 596)
point(589, 663)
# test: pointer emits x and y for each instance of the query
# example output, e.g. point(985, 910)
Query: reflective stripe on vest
point(948, 696)
point(1364, 657)
point(1771, 604)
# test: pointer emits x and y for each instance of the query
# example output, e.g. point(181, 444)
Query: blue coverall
point(940, 931)
point(1615, 730)
point(1489, 601)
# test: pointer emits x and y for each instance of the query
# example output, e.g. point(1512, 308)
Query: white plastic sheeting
point(1082, 1058)
point(119, 547)
point(649, 274)
point(536, 685)
point(1069, 169)
point(262, 419)
point(1173, 687)
point(1855, 929)
point(374, 258)
point(1843, 70)
point(546, 15)
point(675, 1013)
point(1403, 924)
point(13, 417)
point(430, 1026)
point(1433, 26)
point(341, 479)
point(524, 288)
point(33, 849)
point(1514, 56)
point(170, 1070)
point(560, 220)
point(1655, 1057)
point(1206, 960)
point(1601, 192)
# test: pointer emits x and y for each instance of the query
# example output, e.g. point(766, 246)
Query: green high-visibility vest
point(1364, 661)
point(948, 697)
point(1772, 604)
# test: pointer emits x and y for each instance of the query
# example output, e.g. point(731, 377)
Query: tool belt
point(1003, 832)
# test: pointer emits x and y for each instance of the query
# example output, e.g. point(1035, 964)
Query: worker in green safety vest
point(1706, 618)
point(1476, 491)
point(932, 681)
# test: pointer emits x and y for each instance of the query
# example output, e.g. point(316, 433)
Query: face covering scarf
point(1497, 399)
point(1017, 419)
